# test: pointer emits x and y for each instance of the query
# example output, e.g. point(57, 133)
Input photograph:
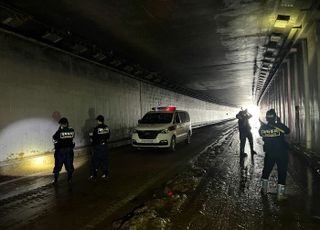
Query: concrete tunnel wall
point(39, 84)
point(294, 91)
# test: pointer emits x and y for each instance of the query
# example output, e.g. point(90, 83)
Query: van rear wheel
point(173, 144)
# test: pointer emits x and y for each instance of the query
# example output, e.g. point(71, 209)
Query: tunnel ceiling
point(209, 47)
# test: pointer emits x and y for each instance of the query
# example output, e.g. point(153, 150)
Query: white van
point(162, 128)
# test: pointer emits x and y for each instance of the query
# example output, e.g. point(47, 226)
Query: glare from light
point(281, 24)
point(255, 112)
point(27, 137)
point(39, 161)
point(27, 145)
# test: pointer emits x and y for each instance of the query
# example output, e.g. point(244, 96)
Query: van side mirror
point(139, 121)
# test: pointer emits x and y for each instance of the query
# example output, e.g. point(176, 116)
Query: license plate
point(146, 141)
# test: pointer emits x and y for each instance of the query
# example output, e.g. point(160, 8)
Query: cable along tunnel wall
point(39, 84)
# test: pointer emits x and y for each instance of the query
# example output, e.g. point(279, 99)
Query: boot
point(264, 186)
point(243, 154)
point(92, 178)
point(55, 180)
point(281, 192)
point(105, 176)
point(69, 178)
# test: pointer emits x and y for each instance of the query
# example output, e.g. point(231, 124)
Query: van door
point(184, 125)
point(179, 129)
point(188, 123)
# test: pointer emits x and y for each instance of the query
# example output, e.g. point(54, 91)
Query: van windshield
point(156, 118)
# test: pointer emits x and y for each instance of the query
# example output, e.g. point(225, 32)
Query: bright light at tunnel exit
point(254, 110)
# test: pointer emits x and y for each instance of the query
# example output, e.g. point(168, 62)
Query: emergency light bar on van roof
point(167, 108)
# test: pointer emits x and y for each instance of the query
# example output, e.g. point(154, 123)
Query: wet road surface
point(224, 194)
point(32, 203)
point(229, 197)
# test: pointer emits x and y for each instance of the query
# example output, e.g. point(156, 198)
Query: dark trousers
point(99, 158)
point(63, 156)
point(243, 137)
point(281, 159)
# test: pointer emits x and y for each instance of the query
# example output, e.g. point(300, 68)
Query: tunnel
point(202, 63)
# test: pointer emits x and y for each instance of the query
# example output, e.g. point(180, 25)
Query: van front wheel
point(173, 144)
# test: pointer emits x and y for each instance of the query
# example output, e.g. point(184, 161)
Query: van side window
point(182, 117)
point(187, 117)
point(177, 120)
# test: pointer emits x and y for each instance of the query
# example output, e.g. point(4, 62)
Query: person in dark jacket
point(276, 151)
point(99, 138)
point(63, 144)
point(245, 131)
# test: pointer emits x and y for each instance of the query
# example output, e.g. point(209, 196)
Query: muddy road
point(32, 203)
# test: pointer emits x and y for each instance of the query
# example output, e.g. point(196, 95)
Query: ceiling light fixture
point(15, 20)
point(99, 56)
point(282, 21)
point(266, 66)
point(267, 61)
point(287, 3)
point(272, 46)
point(79, 48)
point(116, 63)
point(128, 68)
point(276, 37)
point(51, 36)
point(269, 55)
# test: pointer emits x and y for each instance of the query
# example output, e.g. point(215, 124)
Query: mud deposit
point(220, 190)
point(161, 210)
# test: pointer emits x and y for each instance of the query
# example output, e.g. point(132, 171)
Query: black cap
point(100, 118)
point(271, 115)
point(63, 121)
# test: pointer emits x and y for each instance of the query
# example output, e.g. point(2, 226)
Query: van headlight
point(164, 131)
